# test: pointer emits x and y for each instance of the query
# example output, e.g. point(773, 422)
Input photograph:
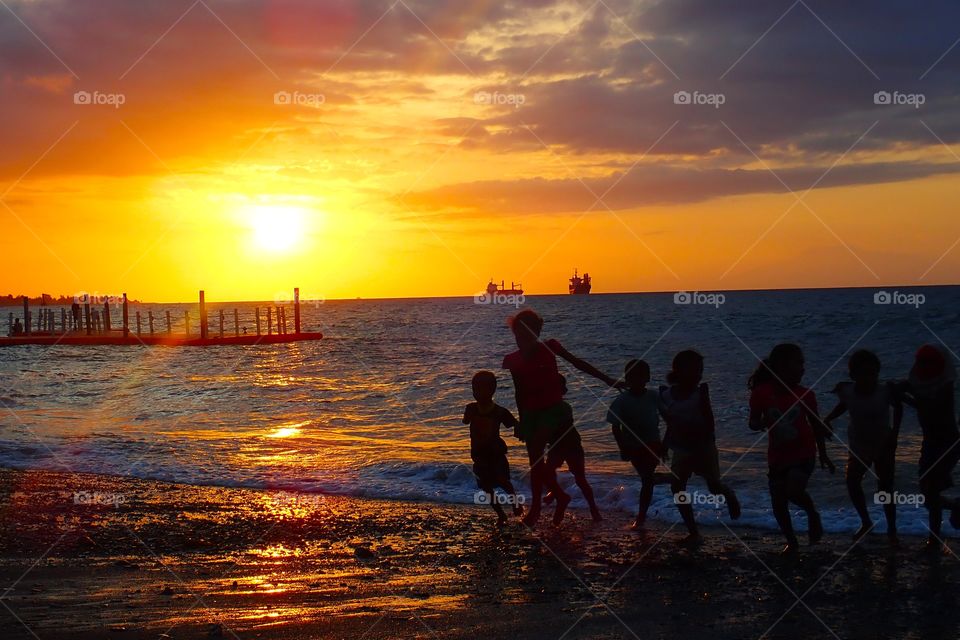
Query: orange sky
point(432, 147)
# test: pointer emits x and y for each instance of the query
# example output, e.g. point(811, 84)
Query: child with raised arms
point(539, 391)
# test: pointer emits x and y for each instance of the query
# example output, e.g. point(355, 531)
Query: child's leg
point(717, 487)
point(682, 499)
point(507, 486)
point(535, 448)
point(780, 504)
point(576, 462)
point(646, 497)
point(797, 479)
point(855, 472)
point(886, 467)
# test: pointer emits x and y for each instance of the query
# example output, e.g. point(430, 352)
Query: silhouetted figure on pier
point(75, 315)
point(17, 329)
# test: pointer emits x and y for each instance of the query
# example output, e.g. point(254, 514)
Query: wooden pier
point(89, 324)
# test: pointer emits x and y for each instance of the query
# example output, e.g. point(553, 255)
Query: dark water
point(374, 409)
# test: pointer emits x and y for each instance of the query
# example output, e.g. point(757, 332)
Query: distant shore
point(94, 556)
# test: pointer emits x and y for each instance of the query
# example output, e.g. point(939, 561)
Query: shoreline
point(137, 559)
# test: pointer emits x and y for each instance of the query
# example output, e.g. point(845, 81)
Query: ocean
point(374, 409)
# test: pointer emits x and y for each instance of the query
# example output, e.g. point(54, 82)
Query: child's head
point(932, 370)
point(687, 369)
point(526, 326)
point(784, 364)
point(484, 386)
point(864, 366)
point(637, 374)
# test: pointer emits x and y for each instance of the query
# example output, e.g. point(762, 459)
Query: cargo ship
point(580, 286)
point(514, 290)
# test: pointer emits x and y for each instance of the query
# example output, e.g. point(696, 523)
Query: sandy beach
point(101, 557)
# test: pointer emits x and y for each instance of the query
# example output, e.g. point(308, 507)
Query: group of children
point(780, 406)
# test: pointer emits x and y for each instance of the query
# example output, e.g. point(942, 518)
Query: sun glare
point(276, 228)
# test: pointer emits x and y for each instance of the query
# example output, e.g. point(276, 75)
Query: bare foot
point(733, 506)
point(692, 541)
point(792, 548)
point(862, 531)
point(816, 528)
point(530, 520)
point(549, 498)
point(595, 514)
point(639, 524)
point(562, 501)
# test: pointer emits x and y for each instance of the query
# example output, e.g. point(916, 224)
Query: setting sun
point(277, 228)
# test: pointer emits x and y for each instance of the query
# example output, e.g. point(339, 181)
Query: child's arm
point(838, 411)
point(468, 413)
point(897, 402)
point(706, 407)
point(585, 366)
point(821, 431)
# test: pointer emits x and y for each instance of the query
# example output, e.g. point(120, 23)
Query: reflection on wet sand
point(191, 561)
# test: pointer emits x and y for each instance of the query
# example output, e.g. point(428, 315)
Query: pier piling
point(126, 317)
point(236, 323)
point(106, 316)
point(203, 316)
point(26, 315)
point(63, 319)
point(138, 324)
point(269, 321)
point(221, 323)
point(257, 313)
point(150, 321)
point(186, 323)
point(296, 310)
point(86, 315)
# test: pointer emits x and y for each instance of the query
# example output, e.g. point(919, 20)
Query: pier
point(88, 322)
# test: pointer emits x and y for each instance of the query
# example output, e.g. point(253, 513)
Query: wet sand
point(86, 556)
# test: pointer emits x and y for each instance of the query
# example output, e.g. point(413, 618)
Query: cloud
point(654, 185)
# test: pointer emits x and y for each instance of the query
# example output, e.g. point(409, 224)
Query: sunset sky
point(384, 148)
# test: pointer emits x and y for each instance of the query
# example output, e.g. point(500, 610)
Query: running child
point(487, 449)
point(635, 420)
point(691, 437)
point(567, 446)
point(539, 392)
point(871, 437)
point(930, 390)
point(788, 413)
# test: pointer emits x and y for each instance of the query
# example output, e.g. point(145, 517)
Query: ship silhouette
point(580, 286)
